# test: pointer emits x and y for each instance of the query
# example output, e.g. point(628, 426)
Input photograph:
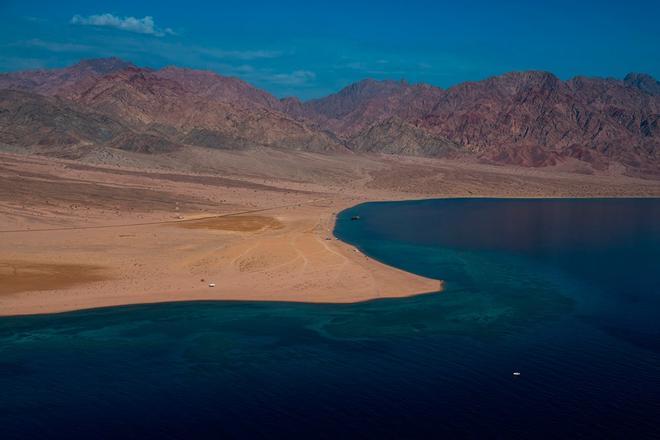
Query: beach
point(86, 235)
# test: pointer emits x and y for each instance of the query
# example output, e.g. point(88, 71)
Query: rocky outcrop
point(395, 136)
point(645, 83)
point(28, 119)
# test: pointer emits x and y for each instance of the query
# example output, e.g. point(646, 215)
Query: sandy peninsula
point(253, 225)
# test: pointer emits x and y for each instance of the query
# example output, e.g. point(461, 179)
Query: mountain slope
point(523, 118)
point(172, 106)
point(535, 110)
point(28, 119)
point(69, 81)
point(203, 110)
point(358, 106)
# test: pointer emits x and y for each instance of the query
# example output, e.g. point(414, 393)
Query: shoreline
point(228, 301)
point(259, 225)
point(388, 282)
point(25, 306)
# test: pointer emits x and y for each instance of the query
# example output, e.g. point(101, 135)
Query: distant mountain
point(524, 118)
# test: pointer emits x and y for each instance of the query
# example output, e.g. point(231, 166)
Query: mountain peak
point(188, 71)
point(373, 86)
point(643, 82)
point(103, 66)
point(530, 77)
point(356, 95)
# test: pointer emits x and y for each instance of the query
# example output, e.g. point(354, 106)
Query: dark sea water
point(567, 292)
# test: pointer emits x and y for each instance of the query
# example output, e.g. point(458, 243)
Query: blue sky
point(309, 49)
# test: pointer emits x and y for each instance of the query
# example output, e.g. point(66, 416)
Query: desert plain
point(127, 228)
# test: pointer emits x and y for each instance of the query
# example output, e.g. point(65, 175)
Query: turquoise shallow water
point(564, 291)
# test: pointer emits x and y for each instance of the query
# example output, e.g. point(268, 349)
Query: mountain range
point(522, 118)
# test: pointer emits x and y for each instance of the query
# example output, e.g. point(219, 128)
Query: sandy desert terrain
point(127, 228)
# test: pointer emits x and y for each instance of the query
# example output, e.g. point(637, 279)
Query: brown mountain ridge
point(522, 118)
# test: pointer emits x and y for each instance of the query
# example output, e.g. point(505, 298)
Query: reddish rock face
point(63, 82)
point(368, 102)
point(507, 117)
point(523, 118)
point(162, 110)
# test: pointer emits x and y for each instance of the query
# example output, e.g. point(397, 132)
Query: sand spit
point(285, 257)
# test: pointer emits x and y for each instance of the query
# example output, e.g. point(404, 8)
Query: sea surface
point(565, 292)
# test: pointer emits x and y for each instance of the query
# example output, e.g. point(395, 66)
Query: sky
point(310, 49)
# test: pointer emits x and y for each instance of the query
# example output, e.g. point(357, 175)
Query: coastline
point(335, 273)
point(100, 235)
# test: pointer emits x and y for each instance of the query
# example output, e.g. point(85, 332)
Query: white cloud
point(144, 25)
point(297, 77)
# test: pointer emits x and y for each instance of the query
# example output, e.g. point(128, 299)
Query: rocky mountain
point(31, 119)
point(584, 118)
point(64, 82)
point(396, 136)
point(645, 83)
point(162, 108)
point(363, 104)
point(209, 85)
point(524, 118)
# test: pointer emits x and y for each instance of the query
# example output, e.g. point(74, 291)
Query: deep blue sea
point(566, 292)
